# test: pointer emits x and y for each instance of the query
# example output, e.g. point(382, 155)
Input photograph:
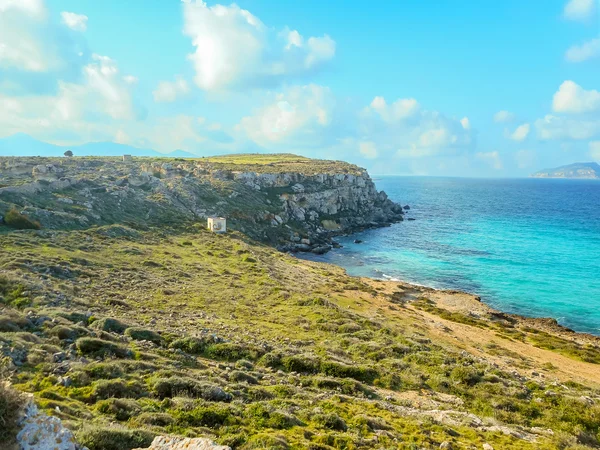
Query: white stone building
point(217, 224)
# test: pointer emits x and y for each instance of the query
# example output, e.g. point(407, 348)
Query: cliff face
point(296, 210)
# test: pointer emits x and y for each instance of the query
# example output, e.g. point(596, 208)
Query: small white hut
point(217, 224)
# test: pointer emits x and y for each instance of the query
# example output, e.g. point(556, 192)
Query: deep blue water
point(526, 246)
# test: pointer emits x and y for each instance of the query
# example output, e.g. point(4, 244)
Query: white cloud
point(170, 91)
point(130, 79)
point(491, 158)
point(368, 150)
point(572, 98)
point(76, 108)
point(23, 45)
point(579, 10)
point(595, 150)
point(403, 130)
point(520, 133)
point(503, 117)
point(76, 22)
point(233, 48)
point(300, 116)
point(561, 128)
point(587, 50)
point(399, 110)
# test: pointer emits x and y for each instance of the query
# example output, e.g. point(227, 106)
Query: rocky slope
point(578, 170)
point(289, 201)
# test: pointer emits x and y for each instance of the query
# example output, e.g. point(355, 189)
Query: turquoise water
point(526, 246)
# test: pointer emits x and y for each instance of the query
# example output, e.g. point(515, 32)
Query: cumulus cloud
point(102, 96)
point(404, 130)
point(595, 150)
point(399, 110)
point(587, 50)
point(579, 10)
point(491, 158)
point(503, 117)
point(297, 116)
point(520, 133)
point(553, 127)
point(234, 48)
point(168, 91)
point(572, 98)
point(76, 22)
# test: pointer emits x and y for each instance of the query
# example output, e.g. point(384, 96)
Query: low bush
point(242, 377)
point(301, 364)
point(339, 370)
point(11, 404)
point(186, 387)
point(105, 389)
point(204, 416)
point(331, 421)
point(155, 419)
point(97, 438)
point(18, 221)
point(465, 375)
point(110, 325)
point(141, 334)
point(231, 352)
point(101, 348)
point(192, 345)
point(120, 409)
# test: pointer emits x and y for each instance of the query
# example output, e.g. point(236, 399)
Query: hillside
point(578, 170)
point(138, 322)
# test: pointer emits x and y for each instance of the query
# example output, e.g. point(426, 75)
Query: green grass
point(277, 352)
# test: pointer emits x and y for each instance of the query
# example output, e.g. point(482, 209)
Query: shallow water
point(526, 246)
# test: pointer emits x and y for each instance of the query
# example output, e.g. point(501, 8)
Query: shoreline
point(469, 303)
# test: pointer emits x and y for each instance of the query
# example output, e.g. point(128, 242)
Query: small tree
point(15, 219)
point(68, 153)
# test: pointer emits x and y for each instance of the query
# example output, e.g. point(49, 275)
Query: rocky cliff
point(295, 203)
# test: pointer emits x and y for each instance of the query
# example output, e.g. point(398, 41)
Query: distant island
point(590, 170)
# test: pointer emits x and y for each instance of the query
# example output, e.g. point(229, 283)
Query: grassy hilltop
point(127, 331)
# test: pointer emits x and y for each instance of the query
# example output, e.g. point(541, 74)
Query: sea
point(526, 246)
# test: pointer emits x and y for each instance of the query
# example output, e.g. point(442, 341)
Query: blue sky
point(451, 87)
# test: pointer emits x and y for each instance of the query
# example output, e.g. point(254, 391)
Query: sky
point(408, 87)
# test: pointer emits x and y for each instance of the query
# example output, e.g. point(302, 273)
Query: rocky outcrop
point(179, 443)
point(42, 432)
point(314, 202)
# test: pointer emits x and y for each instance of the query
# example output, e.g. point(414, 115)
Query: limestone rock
point(42, 432)
point(178, 443)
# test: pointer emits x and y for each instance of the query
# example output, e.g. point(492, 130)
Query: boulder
point(42, 432)
point(179, 443)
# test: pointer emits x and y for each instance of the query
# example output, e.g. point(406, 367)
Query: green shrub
point(271, 359)
point(331, 421)
point(106, 370)
point(339, 370)
point(155, 419)
point(13, 293)
point(262, 415)
point(105, 389)
point(266, 441)
point(141, 334)
point(67, 333)
point(101, 348)
point(301, 364)
point(242, 377)
point(231, 352)
point(120, 409)
point(204, 416)
point(192, 345)
point(186, 387)
point(96, 438)
point(110, 325)
point(465, 375)
point(11, 404)
point(18, 221)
